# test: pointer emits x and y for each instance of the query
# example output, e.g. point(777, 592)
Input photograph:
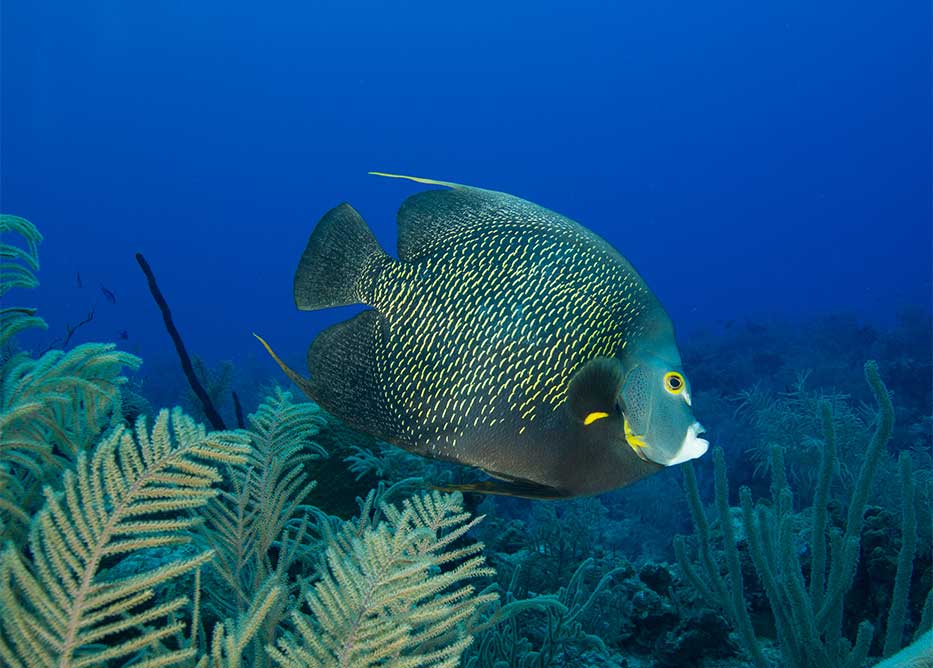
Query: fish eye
point(674, 382)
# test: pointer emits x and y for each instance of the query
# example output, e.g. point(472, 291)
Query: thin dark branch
point(212, 415)
point(239, 412)
point(69, 332)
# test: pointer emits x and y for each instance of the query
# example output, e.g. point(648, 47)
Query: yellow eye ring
point(674, 382)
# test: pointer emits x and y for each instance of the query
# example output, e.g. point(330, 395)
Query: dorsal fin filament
point(418, 179)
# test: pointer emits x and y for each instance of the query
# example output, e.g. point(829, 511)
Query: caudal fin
point(331, 270)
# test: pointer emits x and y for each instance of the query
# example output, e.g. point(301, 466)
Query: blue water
point(750, 159)
point(766, 166)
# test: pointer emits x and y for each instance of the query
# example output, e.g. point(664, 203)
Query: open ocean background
point(752, 160)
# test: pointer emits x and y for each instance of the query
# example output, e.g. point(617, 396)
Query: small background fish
point(108, 294)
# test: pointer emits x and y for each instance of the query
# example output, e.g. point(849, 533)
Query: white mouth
point(692, 447)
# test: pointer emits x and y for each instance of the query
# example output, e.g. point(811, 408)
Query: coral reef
point(52, 410)
point(395, 591)
point(178, 546)
point(140, 538)
point(17, 270)
point(808, 617)
point(133, 493)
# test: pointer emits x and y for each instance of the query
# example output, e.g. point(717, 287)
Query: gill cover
point(636, 401)
point(659, 423)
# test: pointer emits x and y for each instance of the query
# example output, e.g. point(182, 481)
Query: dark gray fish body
point(499, 339)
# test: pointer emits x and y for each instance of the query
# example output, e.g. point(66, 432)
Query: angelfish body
point(506, 337)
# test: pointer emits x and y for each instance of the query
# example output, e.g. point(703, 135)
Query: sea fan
point(57, 605)
point(51, 410)
point(394, 592)
point(17, 270)
point(248, 525)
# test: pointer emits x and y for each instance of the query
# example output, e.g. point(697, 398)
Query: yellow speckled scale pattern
point(486, 327)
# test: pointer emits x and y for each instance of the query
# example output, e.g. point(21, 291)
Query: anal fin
point(344, 374)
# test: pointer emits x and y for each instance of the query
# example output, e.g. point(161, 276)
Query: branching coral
point(57, 607)
point(395, 592)
point(790, 419)
point(808, 619)
point(17, 270)
point(248, 525)
point(51, 410)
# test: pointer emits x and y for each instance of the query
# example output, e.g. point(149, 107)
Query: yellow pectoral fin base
point(593, 417)
point(633, 439)
point(418, 179)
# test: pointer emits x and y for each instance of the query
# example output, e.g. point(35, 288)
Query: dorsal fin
point(426, 218)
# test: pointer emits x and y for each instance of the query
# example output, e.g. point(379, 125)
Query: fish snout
point(691, 447)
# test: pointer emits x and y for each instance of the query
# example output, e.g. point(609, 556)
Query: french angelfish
point(506, 337)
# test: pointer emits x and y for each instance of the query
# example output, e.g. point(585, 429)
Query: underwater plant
point(176, 546)
point(52, 408)
point(389, 595)
point(257, 524)
point(560, 636)
point(95, 585)
point(217, 382)
point(17, 270)
point(789, 419)
point(59, 605)
point(558, 538)
point(808, 616)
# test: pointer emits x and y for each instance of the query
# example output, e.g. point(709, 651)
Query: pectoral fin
point(522, 489)
point(594, 389)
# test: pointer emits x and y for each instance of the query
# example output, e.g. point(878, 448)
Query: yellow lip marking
point(593, 417)
point(634, 439)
